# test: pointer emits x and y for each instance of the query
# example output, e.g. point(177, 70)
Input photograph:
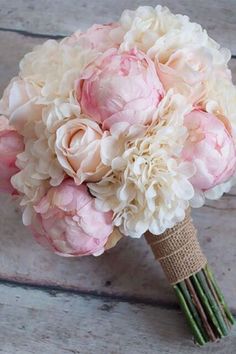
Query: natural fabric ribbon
point(178, 250)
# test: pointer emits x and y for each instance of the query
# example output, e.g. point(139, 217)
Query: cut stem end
point(204, 306)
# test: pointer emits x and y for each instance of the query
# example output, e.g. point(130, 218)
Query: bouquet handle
point(186, 268)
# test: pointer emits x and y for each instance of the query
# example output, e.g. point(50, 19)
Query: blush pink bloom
point(11, 144)
point(68, 222)
point(98, 37)
point(120, 88)
point(211, 148)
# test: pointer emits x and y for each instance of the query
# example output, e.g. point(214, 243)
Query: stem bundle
point(204, 307)
point(186, 268)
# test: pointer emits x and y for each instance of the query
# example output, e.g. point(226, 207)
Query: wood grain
point(60, 17)
point(35, 322)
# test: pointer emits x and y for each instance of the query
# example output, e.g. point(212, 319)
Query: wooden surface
point(36, 321)
point(60, 17)
point(119, 302)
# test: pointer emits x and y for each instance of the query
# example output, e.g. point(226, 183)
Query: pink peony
point(211, 148)
point(120, 88)
point(68, 222)
point(98, 37)
point(11, 144)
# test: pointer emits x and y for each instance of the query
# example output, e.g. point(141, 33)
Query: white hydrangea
point(39, 168)
point(148, 187)
point(55, 67)
point(159, 33)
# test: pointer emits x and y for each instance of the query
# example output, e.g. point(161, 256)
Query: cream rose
point(78, 145)
point(19, 103)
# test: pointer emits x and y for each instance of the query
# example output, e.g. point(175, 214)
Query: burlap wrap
point(178, 250)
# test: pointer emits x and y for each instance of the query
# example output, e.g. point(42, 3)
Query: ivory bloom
point(78, 145)
point(19, 103)
point(159, 33)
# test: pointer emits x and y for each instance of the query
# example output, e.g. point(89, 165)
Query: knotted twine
point(178, 250)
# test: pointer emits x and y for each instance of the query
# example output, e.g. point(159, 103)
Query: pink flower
point(120, 88)
point(98, 37)
point(11, 144)
point(68, 222)
point(211, 148)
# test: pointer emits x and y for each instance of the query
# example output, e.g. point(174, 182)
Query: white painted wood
point(64, 16)
point(35, 322)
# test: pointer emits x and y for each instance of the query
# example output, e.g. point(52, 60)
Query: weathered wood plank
point(37, 322)
point(128, 270)
point(62, 17)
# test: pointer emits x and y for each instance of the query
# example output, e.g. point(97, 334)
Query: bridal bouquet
point(118, 131)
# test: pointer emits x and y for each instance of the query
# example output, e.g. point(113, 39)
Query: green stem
point(196, 332)
point(214, 294)
point(197, 303)
point(220, 295)
point(205, 303)
point(213, 304)
point(204, 306)
point(193, 310)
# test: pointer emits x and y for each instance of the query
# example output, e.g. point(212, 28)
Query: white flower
point(39, 168)
point(19, 103)
point(159, 33)
point(78, 149)
point(149, 189)
point(113, 146)
point(54, 67)
point(59, 110)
